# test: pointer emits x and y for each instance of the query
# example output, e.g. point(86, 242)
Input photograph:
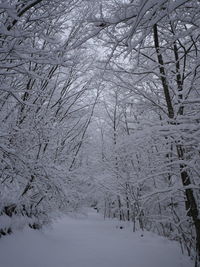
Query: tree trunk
point(190, 203)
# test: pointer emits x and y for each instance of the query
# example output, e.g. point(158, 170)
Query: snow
point(89, 241)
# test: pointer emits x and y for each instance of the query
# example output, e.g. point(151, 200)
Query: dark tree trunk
point(190, 203)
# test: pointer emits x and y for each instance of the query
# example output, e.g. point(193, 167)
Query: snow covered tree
point(152, 50)
point(46, 104)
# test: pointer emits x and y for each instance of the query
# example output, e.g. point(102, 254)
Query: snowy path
point(88, 242)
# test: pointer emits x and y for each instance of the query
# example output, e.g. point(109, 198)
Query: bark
point(163, 74)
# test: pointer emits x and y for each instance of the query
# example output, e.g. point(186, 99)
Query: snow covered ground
point(88, 242)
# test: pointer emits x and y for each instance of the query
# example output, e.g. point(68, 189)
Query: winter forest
point(100, 108)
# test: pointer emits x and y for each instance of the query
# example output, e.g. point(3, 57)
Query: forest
point(100, 107)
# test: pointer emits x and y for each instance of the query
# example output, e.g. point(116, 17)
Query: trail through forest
point(89, 241)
